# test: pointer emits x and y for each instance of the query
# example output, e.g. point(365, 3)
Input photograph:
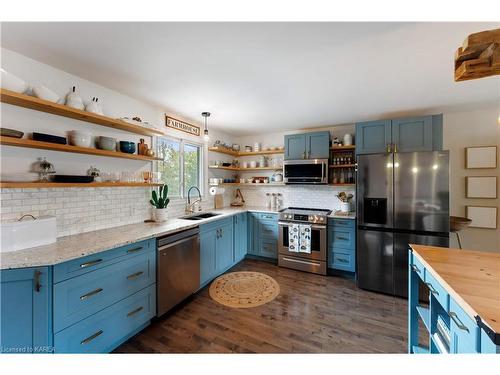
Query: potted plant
point(160, 202)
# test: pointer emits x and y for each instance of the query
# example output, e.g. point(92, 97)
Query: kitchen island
point(463, 314)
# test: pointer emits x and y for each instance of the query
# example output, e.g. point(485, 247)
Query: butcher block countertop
point(472, 278)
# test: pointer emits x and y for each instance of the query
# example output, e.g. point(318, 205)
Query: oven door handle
point(313, 226)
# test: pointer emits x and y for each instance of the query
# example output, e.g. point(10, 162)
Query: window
point(182, 165)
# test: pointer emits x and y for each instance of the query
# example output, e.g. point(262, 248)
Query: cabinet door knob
point(388, 148)
point(395, 147)
point(37, 281)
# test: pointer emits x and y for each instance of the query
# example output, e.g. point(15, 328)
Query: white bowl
point(80, 139)
point(11, 82)
point(45, 93)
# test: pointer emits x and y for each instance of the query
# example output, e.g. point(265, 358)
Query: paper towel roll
point(216, 190)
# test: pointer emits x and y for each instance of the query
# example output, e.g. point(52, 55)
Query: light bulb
point(414, 169)
point(435, 166)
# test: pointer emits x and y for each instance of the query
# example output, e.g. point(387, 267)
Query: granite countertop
point(79, 245)
point(336, 215)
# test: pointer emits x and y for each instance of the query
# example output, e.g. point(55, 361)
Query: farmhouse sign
point(182, 126)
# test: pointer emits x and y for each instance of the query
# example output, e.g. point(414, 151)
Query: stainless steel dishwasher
point(178, 268)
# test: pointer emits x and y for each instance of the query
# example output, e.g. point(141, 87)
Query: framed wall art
point(481, 157)
point(481, 187)
point(482, 216)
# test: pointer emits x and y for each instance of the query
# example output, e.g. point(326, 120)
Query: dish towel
point(305, 239)
point(293, 238)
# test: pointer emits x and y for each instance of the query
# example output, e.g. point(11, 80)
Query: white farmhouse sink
point(18, 235)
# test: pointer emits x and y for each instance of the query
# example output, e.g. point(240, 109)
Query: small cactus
point(161, 200)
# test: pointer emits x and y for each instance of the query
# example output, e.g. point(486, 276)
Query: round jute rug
point(244, 289)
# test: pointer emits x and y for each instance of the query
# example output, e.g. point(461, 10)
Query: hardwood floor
point(312, 314)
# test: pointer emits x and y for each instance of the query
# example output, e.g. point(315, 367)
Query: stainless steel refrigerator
point(402, 198)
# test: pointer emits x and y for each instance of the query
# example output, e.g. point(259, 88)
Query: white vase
point(344, 207)
point(160, 214)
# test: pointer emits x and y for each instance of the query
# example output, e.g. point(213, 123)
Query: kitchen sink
point(200, 216)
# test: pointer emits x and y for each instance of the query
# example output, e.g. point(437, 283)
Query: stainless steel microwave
point(308, 171)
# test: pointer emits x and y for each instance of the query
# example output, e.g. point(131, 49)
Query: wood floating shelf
point(228, 151)
point(479, 56)
point(343, 148)
point(40, 185)
point(349, 184)
point(251, 184)
point(245, 169)
point(343, 166)
point(26, 101)
point(29, 143)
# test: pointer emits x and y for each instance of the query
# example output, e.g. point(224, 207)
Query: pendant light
point(205, 132)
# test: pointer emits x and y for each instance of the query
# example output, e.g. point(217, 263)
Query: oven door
point(314, 171)
point(318, 242)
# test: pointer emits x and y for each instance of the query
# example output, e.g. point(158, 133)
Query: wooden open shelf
point(245, 169)
point(26, 101)
point(40, 185)
point(350, 184)
point(250, 184)
point(343, 166)
point(343, 148)
point(227, 151)
point(29, 143)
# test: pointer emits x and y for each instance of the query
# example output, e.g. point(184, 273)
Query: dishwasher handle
point(169, 239)
point(165, 247)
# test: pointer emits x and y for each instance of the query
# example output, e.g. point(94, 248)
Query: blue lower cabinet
point(25, 315)
point(105, 330)
point(240, 236)
point(208, 241)
point(264, 235)
point(224, 257)
point(342, 244)
point(463, 329)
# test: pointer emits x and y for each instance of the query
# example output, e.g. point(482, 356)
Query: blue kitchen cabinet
point(295, 147)
point(342, 244)
point(240, 236)
point(373, 137)
point(318, 145)
point(25, 297)
point(208, 240)
point(424, 133)
point(264, 235)
point(224, 256)
point(315, 145)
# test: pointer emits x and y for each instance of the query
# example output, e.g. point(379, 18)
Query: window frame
point(182, 142)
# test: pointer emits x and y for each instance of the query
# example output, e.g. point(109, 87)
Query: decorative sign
point(182, 126)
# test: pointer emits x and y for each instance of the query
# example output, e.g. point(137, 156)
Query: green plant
point(161, 200)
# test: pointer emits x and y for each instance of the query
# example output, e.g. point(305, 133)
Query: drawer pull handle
point(91, 263)
point(90, 338)
point(38, 286)
point(134, 250)
point(431, 288)
point(454, 317)
point(90, 294)
point(134, 275)
point(415, 268)
point(133, 312)
point(342, 238)
point(341, 260)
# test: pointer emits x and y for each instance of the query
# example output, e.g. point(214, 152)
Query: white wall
point(461, 130)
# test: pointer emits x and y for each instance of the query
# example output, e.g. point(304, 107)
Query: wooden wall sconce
point(479, 56)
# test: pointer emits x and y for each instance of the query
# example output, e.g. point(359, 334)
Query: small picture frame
point(482, 216)
point(481, 187)
point(481, 157)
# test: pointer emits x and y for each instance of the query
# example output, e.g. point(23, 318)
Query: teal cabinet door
point(240, 236)
point(373, 137)
point(412, 134)
point(318, 145)
point(253, 234)
point(224, 249)
point(295, 146)
point(25, 314)
point(208, 243)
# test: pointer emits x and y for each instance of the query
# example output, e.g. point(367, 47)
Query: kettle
point(278, 177)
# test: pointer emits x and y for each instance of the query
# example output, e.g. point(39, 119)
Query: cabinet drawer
point(342, 223)
point(216, 224)
point(437, 290)
point(104, 331)
point(342, 260)
point(89, 263)
point(266, 216)
point(464, 330)
point(79, 297)
point(344, 238)
point(268, 248)
point(418, 267)
point(269, 230)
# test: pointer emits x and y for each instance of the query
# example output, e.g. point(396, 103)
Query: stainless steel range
point(306, 250)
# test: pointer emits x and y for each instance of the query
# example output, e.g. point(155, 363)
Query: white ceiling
point(257, 77)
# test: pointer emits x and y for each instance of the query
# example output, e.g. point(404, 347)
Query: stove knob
point(321, 219)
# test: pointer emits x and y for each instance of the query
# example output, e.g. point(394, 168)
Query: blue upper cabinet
point(25, 310)
point(412, 134)
point(295, 146)
point(373, 137)
point(314, 145)
point(318, 145)
point(400, 135)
